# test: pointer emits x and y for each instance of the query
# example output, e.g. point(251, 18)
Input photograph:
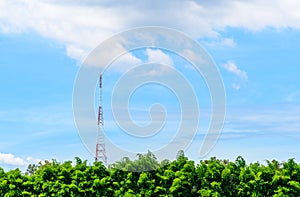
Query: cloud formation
point(128, 61)
point(158, 56)
point(232, 68)
point(10, 159)
point(81, 26)
point(241, 75)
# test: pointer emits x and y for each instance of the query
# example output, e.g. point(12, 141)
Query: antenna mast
point(100, 144)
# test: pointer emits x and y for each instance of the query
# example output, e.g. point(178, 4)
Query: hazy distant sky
point(255, 45)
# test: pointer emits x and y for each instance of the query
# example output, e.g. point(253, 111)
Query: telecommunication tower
point(100, 144)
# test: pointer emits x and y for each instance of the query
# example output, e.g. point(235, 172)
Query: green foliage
point(145, 176)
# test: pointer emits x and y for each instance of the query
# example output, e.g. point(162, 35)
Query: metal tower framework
point(100, 144)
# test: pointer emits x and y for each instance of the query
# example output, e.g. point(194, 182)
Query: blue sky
point(255, 46)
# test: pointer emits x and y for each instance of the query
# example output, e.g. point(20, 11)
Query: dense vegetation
point(181, 177)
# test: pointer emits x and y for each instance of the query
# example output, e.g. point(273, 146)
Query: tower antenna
point(100, 144)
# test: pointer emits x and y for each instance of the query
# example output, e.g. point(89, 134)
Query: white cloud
point(82, 26)
point(128, 61)
point(241, 75)
point(158, 56)
point(125, 62)
point(79, 27)
point(10, 159)
point(232, 68)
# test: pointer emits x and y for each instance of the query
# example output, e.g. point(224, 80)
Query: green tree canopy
point(146, 176)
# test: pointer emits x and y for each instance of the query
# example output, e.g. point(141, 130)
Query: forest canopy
point(181, 177)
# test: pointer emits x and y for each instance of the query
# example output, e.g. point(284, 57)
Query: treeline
point(181, 177)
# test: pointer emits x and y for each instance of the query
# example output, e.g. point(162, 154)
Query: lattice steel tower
point(100, 144)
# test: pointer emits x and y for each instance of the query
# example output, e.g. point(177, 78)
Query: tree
point(180, 177)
